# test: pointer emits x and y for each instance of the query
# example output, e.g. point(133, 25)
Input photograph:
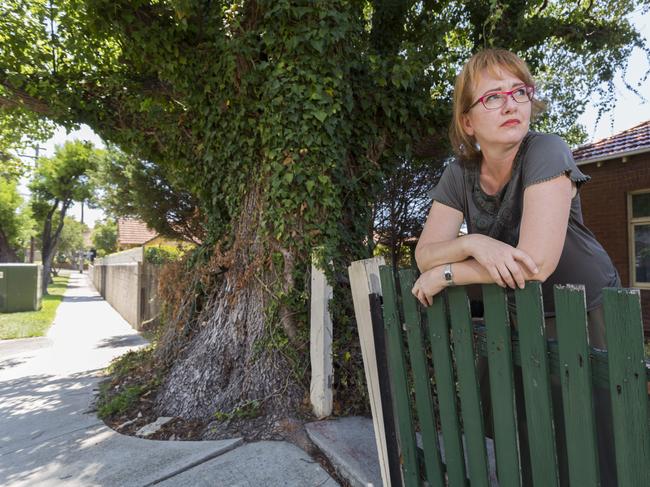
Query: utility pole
point(81, 252)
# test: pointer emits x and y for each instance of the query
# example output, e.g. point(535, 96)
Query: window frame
point(631, 223)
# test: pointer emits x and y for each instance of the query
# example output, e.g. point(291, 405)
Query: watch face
point(449, 277)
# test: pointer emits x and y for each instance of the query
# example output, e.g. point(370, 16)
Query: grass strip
point(28, 324)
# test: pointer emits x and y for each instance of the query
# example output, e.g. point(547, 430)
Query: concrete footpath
point(50, 435)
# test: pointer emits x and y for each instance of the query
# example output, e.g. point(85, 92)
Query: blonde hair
point(492, 60)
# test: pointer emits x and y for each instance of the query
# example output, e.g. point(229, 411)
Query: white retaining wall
point(125, 257)
point(120, 285)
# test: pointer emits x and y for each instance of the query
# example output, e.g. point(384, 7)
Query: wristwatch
point(448, 275)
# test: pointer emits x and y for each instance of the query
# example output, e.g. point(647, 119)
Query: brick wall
point(604, 207)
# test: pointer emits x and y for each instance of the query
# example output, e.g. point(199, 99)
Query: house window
point(638, 205)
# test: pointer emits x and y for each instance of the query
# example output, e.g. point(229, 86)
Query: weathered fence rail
point(432, 357)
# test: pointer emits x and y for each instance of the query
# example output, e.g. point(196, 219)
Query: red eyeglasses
point(496, 99)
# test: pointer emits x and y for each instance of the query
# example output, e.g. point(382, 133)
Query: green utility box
point(20, 287)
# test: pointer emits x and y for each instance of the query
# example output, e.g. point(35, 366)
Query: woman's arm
point(439, 244)
point(543, 231)
point(433, 281)
point(544, 223)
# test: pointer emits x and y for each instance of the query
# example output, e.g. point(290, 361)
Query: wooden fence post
point(320, 344)
point(364, 280)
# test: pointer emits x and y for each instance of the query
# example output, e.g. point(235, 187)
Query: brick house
point(616, 204)
point(132, 233)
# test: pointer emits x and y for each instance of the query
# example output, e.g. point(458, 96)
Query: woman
point(517, 191)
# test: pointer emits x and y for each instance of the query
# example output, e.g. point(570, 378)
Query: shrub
point(162, 254)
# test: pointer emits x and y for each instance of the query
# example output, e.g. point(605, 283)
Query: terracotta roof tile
point(634, 139)
point(133, 232)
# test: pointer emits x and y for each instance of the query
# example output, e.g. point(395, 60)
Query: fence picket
point(399, 379)
point(438, 327)
point(389, 461)
point(463, 332)
point(627, 379)
point(423, 399)
point(502, 391)
point(575, 377)
point(537, 390)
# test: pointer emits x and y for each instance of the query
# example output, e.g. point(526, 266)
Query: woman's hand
point(428, 285)
point(502, 261)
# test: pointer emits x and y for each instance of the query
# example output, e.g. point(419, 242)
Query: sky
point(630, 110)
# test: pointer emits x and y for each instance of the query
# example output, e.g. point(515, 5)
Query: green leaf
point(320, 115)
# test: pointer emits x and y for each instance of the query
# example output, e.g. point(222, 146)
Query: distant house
point(133, 233)
point(616, 204)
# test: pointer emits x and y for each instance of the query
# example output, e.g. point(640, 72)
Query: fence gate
point(434, 356)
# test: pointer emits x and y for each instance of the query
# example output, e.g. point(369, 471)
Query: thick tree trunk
point(47, 274)
point(232, 361)
point(7, 254)
point(51, 239)
point(46, 254)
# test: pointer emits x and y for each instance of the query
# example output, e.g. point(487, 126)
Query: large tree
point(104, 237)
point(400, 208)
point(19, 129)
point(71, 241)
point(280, 118)
point(16, 223)
point(132, 187)
point(58, 182)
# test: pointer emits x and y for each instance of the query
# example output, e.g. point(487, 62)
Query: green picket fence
point(432, 362)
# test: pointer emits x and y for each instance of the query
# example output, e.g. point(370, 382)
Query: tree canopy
point(16, 223)
point(132, 187)
point(104, 237)
point(292, 93)
point(71, 240)
point(65, 177)
point(19, 129)
point(58, 182)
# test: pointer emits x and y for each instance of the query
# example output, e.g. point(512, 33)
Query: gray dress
point(541, 157)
